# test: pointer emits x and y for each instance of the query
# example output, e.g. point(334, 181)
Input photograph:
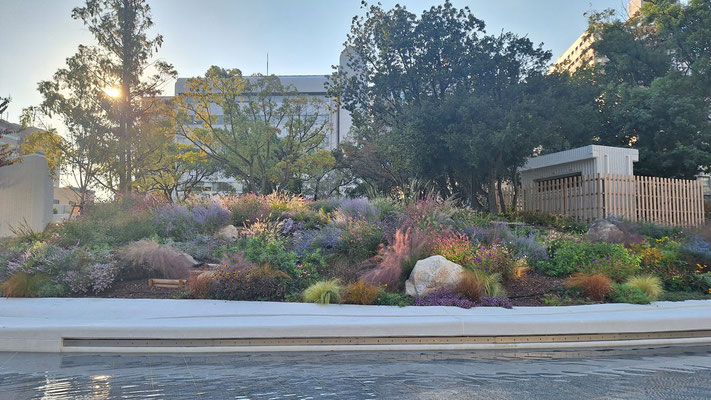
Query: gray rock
point(229, 232)
point(604, 230)
point(433, 274)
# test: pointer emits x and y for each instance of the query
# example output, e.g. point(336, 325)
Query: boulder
point(433, 274)
point(604, 231)
point(229, 232)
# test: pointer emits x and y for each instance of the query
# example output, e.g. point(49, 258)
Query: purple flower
point(607, 258)
point(478, 259)
point(486, 269)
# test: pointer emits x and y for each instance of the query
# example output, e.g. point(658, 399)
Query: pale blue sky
point(301, 36)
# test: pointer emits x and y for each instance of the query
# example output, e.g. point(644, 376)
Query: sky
point(300, 36)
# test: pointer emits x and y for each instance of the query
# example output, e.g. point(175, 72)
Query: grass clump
point(361, 292)
point(649, 284)
point(595, 286)
point(22, 284)
point(323, 292)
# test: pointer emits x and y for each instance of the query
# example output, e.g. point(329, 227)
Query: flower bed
point(354, 251)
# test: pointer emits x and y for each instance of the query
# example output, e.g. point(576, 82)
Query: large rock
point(433, 274)
point(229, 232)
point(604, 231)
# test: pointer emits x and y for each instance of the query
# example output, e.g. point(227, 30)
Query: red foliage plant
point(595, 286)
point(398, 259)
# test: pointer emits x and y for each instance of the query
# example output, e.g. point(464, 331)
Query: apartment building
point(581, 53)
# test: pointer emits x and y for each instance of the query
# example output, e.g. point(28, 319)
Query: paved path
point(670, 373)
point(41, 325)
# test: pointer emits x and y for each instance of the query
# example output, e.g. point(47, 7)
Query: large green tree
point(129, 74)
point(435, 97)
point(653, 86)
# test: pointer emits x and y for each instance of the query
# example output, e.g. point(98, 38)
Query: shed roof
point(579, 154)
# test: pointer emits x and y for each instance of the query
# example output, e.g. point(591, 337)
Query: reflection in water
point(632, 374)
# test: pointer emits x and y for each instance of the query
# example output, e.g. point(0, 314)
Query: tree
point(174, 168)
point(124, 56)
point(76, 96)
point(6, 154)
point(653, 88)
point(47, 142)
point(267, 129)
point(436, 98)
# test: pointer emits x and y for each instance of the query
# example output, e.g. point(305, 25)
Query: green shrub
point(649, 284)
point(559, 222)
point(393, 299)
point(106, 225)
point(51, 289)
point(568, 257)
point(303, 269)
point(324, 292)
point(261, 283)
point(626, 293)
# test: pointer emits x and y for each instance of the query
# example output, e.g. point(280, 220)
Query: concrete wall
point(26, 194)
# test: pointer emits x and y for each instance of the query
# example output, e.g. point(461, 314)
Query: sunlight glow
point(112, 91)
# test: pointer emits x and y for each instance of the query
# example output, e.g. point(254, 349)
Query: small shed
point(582, 161)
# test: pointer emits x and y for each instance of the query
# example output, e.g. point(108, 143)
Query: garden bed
point(286, 248)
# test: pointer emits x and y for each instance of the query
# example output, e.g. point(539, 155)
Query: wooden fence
point(674, 202)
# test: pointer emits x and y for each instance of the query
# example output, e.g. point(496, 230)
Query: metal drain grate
point(374, 341)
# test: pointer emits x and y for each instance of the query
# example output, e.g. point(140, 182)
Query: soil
point(524, 291)
point(139, 289)
point(528, 290)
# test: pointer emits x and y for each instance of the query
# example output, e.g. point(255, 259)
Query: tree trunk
point(501, 196)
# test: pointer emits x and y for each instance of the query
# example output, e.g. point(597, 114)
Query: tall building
point(338, 120)
point(581, 53)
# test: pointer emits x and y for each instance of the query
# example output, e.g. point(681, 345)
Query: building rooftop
point(578, 154)
point(309, 84)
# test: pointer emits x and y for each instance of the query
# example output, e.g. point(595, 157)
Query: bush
point(495, 259)
point(490, 282)
point(560, 222)
point(210, 218)
point(361, 292)
point(612, 260)
point(528, 247)
point(105, 225)
point(323, 292)
point(361, 239)
point(359, 209)
point(649, 284)
point(22, 284)
point(393, 299)
point(327, 239)
point(455, 247)
point(259, 283)
point(625, 293)
point(595, 286)
point(303, 269)
point(398, 259)
point(147, 257)
point(471, 286)
point(248, 208)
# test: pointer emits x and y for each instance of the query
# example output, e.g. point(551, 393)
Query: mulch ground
point(139, 289)
point(524, 291)
point(528, 290)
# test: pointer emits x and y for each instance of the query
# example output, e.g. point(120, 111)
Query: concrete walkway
point(146, 325)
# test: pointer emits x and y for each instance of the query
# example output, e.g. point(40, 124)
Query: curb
point(165, 326)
